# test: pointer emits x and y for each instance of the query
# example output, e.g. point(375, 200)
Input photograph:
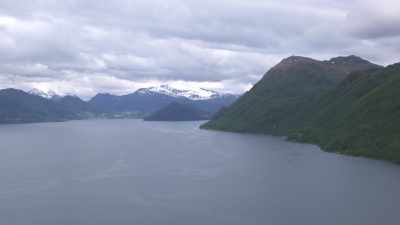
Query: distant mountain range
point(345, 104)
point(49, 95)
point(17, 106)
point(148, 100)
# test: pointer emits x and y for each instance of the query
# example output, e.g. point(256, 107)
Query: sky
point(84, 47)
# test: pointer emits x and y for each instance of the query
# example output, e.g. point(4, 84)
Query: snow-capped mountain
point(149, 100)
point(49, 94)
point(192, 93)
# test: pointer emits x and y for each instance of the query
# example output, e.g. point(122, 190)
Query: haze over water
point(103, 172)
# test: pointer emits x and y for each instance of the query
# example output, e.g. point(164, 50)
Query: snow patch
point(45, 94)
point(192, 93)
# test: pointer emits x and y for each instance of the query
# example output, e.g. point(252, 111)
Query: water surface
point(121, 172)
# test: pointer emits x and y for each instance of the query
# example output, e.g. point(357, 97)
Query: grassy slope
point(359, 117)
point(280, 100)
point(264, 108)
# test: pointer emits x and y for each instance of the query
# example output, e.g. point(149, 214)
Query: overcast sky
point(84, 47)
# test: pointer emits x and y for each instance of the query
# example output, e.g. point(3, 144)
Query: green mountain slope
point(279, 101)
point(360, 117)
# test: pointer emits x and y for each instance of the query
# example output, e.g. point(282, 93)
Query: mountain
point(192, 94)
point(104, 102)
point(178, 112)
point(148, 100)
point(75, 105)
point(361, 116)
point(136, 103)
point(213, 105)
point(277, 103)
point(17, 106)
point(49, 95)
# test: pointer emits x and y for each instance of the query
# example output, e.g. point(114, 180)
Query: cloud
point(373, 21)
point(117, 46)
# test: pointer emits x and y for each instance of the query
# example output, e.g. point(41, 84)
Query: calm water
point(121, 172)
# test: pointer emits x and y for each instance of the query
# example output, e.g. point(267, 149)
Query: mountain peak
point(194, 93)
point(12, 91)
point(296, 59)
point(103, 95)
point(49, 94)
point(351, 59)
point(342, 64)
point(340, 60)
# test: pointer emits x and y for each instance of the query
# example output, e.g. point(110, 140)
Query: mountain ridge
point(148, 100)
point(17, 106)
point(358, 113)
point(282, 94)
point(359, 117)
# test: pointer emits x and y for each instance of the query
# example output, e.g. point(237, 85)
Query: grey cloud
point(372, 20)
point(132, 43)
point(379, 28)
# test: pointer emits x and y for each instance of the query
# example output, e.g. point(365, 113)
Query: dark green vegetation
point(178, 112)
point(359, 117)
point(277, 102)
point(346, 104)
